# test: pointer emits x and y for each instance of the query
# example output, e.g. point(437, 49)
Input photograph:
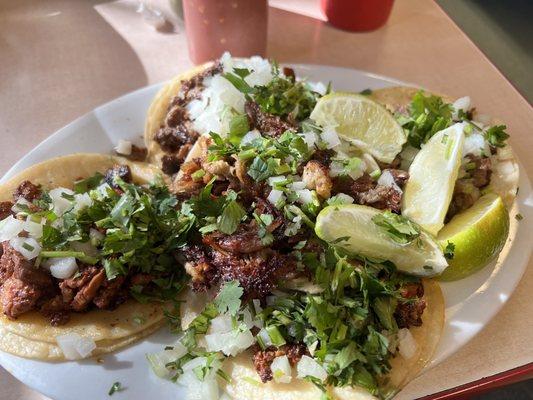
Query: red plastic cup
point(357, 15)
point(216, 26)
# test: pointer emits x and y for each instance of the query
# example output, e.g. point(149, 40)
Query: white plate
point(471, 302)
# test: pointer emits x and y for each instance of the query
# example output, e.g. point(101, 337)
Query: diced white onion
point(318, 87)
point(330, 137)
point(230, 343)
point(74, 346)
point(102, 190)
point(275, 196)
point(159, 360)
point(28, 247)
point(10, 227)
point(370, 164)
point(310, 139)
point(20, 202)
point(247, 318)
point(61, 204)
point(195, 388)
point(257, 306)
point(344, 198)
point(124, 147)
point(475, 144)
point(265, 337)
point(250, 137)
point(61, 267)
point(305, 196)
point(300, 185)
point(307, 366)
point(82, 201)
point(386, 179)
point(407, 344)
point(34, 229)
point(462, 104)
point(281, 369)
point(221, 324)
point(274, 179)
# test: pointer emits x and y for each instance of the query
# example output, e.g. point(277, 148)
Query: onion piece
point(305, 196)
point(250, 137)
point(95, 236)
point(20, 202)
point(330, 137)
point(159, 360)
point(28, 247)
point(343, 198)
point(61, 267)
point(407, 344)
point(310, 139)
point(82, 201)
point(230, 343)
point(221, 324)
point(300, 185)
point(275, 196)
point(74, 346)
point(281, 369)
point(10, 228)
point(123, 147)
point(307, 366)
point(60, 201)
point(386, 179)
point(34, 229)
point(461, 104)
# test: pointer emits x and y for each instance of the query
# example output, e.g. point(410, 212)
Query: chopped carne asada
point(263, 358)
point(100, 275)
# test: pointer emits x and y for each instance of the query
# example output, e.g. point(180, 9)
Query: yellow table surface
point(61, 58)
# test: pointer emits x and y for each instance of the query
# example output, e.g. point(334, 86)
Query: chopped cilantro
point(399, 228)
point(230, 218)
point(449, 250)
point(116, 387)
point(366, 92)
point(229, 298)
point(496, 135)
point(519, 217)
point(238, 127)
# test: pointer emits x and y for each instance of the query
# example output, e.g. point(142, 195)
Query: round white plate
point(471, 302)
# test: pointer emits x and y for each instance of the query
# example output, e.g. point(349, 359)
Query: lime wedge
point(361, 122)
point(432, 177)
point(478, 234)
point(351, 228)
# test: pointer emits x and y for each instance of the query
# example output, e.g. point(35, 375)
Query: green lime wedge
point(361, 122)
point(432, 177)
point(478, 234)
point(351, 228)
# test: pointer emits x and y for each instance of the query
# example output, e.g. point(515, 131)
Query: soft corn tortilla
point(245, 383)
point(36, 349)
point(158, 110)
point(115, 326)
point(505, 172)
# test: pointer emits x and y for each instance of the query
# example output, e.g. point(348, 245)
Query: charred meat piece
point(186, 186)
point(316, 177)
point(382, 197)
point(198, 266)
point(409, 312)
point(18, 297)
point(110, 294)
point(289, 73)
point(258, 273)
point(80, 290)
point(323, 156)
point(28, 191)
point(245, 240)
point(482, 170)
point(170, 164)
point(399, 175)
point(171, 139)
point(5, 210)
point(118, 171)
point(268, 124)
point(465, 194)
point(56, 310)
point(263, 358)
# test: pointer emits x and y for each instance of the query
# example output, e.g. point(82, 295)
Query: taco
point(76, 257)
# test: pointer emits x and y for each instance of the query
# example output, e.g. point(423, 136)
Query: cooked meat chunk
point(258, 273)
point(409, 312)
point(268, 124)
point(171, 139)
point(482, 170)
point(141, 279)
point(137, 153)
point(170, 164)
point(79, 291)
point(399, 175)
point(245, 240)
point(289, 73)
point(323, 156)
point(118, 171)
point(5, 210)
point(365, 191)
point(381, 197)
point(56, 310)
point(13, 264)
point(198, 266)
point(263, 358)
point(111, 293)
point(28, 191)
point(465, 194)
point(186, 186)
point(219, 168)
point(316, 177)
point(18, 297)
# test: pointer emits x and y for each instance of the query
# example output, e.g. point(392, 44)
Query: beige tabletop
point(61, 58)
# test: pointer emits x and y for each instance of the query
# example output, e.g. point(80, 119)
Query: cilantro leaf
point(116, 387)
point(229, 298)
point(230, 218)
point(449, 250)
point(399, 228)
point(496, 135)
point(238, 127)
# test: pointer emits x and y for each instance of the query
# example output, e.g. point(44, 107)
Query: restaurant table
point(60, 58)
